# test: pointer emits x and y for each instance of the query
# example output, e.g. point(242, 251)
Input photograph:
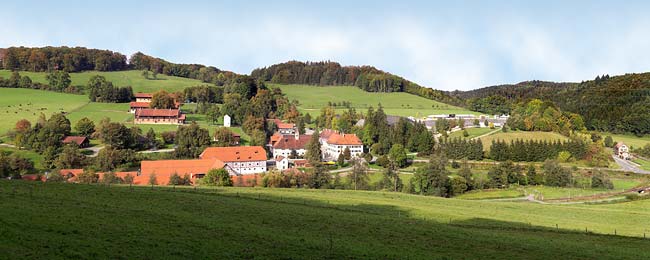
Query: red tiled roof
point(74, 139)
point(139, 104)
point(274, 138)
point(282, 125)
point(344, 139)
point(164, 169)
point(279, 158)
point(290, 142)
point(235, 154)
point(326, 133)
point(618, 145)
point(143, 95)
point(71, 174)
point(153, 112)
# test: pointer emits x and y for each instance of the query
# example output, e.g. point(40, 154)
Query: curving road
point(629, 166)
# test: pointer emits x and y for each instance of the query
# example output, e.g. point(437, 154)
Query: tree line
point(61, 58)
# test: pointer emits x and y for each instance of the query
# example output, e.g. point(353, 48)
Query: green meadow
point(313, 98)
point(17, 104)
point(473, 132)
point(131, 78)
point(94, 221)
point(521, 135)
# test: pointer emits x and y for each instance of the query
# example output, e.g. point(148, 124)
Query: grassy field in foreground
point(522, 135)
point(87, 221)
point(131, 78)
point(16, 104)
point(313, 98)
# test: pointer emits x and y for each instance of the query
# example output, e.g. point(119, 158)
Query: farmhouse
point(281, 163)
point(240, 159)
point(622, 151)
point(334, 143)
point(159, 116)
point(162, 170)
point(289, 145)
point(81, 141)
point(284, 128)
point(135, 106)
point(143, 97)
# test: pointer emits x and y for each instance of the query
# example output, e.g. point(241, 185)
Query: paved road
point(94, 149)
point(628, 166)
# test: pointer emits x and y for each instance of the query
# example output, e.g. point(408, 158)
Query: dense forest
point(204, 73)
point(61, 58)
point(617, 104)
point(329, 73)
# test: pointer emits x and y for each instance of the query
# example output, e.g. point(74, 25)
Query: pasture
point(521, 135)
point(131, 78)
point(17, 104)
point(473, 132)
point(94, 221)
point(313, 98)
point(634, 142)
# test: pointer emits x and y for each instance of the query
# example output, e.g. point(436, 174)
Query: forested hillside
point(61, 58)
point(330, 73)
point(616, 104)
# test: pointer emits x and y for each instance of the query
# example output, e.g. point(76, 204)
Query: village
point(286, 151)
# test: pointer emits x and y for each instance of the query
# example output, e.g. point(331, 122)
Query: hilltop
point(614, 104)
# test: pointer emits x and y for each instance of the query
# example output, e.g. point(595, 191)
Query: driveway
point(629, 166)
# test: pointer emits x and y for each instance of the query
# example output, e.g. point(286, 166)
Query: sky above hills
point(445, 45)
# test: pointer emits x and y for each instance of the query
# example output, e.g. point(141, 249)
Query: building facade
point(240, 159)
point(159, 116)
point(334, 143)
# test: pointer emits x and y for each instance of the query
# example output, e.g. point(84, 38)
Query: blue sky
point(440, 44)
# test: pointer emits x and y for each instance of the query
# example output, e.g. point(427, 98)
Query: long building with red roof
point(284, 145)
point(239, 159)
point(159, 116)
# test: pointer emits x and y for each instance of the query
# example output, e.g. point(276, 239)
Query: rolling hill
point(313, 98)
point(95, 221)
point(131, 78)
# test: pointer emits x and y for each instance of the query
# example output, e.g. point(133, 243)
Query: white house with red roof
point(334, 143)
point(285, 144)
point(284, 128)
point(239, 159)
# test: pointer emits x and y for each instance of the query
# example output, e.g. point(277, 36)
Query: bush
point(600, 180)
point(217, 177)
point(383, 161)
point(455, 165)
point(168, 137)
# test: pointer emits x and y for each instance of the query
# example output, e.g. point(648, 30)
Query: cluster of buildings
point(288, 142)
point(241, 162)
point(146, 115)
point(484, 120)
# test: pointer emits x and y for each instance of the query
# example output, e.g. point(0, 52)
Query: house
point(135, 106)
point(239, 159)
point(143, 97)
point(301, 163)
point(286, 145)
point(159, 116)
point(622, 151)
point(226, 121)
point(281, 163)
point(81, 141)
point(334, 143)
point(284, 128)
point(164, 169)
